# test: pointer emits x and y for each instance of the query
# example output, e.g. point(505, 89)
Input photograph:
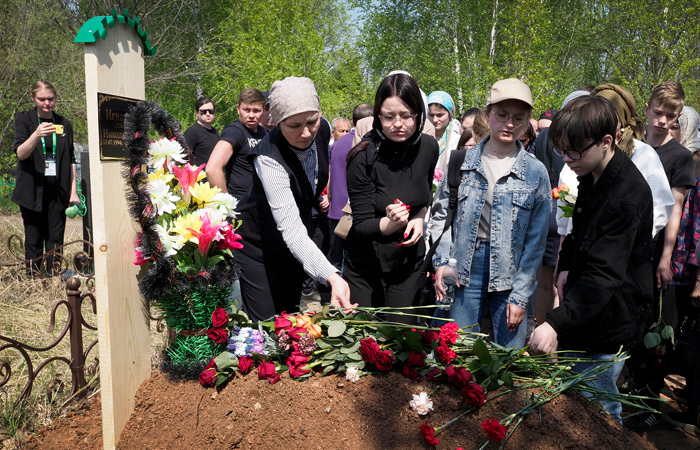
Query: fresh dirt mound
point(332, 413)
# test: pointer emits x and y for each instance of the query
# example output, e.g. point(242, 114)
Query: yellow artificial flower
point(203, 192)
point(160, 175)
point(181, 225)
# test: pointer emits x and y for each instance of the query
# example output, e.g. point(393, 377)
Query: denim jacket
point(519, 221)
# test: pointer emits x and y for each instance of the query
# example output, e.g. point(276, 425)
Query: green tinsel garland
point(190, 313)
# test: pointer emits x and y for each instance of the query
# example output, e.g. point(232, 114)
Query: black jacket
point(261, 237)
point(608, 292)
point(29, 187)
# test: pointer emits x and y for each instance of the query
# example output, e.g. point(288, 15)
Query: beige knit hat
point(293, 95)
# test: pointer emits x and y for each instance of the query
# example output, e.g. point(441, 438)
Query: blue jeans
point(606, 381)
point(471, 301)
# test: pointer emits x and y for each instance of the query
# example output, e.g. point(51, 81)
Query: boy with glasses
point(604, 263)
point(202, 136)
point(228, 166)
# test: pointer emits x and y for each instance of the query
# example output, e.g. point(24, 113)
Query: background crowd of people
point(424, 186)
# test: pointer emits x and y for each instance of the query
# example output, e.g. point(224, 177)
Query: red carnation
point(208, 376)
point(384, 360)
point(494, 429)
point(218, 335)
point(416, 359)
point(473, 394)
point(428, 337)
point(445, 354)
point(428, 433)
point(245, 364)
point(219, 318)
point(369, 349)
point(448, 333)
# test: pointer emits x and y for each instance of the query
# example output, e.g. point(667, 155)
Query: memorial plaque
point(111, 110)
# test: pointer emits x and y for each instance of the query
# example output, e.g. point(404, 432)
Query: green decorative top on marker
point(97, 27)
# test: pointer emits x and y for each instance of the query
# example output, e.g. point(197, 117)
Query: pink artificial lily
point(206, 234)
point(187, 176)
point(230, 240)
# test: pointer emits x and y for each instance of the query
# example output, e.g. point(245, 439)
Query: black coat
point(608, 292)
point(29, 179)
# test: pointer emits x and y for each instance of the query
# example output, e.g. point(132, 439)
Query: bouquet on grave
point(188, 234)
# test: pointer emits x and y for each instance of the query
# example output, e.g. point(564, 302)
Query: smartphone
point(59, 129)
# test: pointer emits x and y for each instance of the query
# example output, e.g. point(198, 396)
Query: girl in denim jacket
point(500, 224)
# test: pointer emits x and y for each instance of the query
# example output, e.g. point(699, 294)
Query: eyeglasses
point(404, 118)
point(503, 117)
point(574, 155)
point(207, 111)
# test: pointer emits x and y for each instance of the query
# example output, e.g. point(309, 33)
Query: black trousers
point(270, 287)
point(43, 230)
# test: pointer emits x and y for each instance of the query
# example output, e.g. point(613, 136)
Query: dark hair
point(529, 133)
point(469, 112)
point(583, 119)
point(404, 87)
point(201, 101)
point(464, 138)
point(251, 95)
point(361, 111)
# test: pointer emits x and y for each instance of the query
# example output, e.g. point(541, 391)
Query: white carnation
point(165, 150)
point(224, 203)
point(421, 404)
point(352, 374)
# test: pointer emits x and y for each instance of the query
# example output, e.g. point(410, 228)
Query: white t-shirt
point(647, 161)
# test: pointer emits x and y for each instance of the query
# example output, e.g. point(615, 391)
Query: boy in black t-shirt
point(228, 166)
point(664, 108)
point(202, 137)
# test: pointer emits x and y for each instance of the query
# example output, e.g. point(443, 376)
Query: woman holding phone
point(46, 175)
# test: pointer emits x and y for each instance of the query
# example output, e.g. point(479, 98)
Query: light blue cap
point(444, 99)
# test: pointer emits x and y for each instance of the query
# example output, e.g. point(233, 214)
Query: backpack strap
point(454, 176)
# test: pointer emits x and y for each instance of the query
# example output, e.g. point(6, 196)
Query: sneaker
point(642, 422)
point(684, 421)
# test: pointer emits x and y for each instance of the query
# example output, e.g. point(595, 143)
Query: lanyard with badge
point(49, 163)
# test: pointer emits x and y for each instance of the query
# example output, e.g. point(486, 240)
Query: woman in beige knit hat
point(291, 171)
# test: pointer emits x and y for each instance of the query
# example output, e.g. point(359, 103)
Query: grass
point(25, 309)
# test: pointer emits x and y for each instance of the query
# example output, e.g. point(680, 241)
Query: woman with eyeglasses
point(500, 224)
point(201, 137)
point(46, 174)
point(389, 176)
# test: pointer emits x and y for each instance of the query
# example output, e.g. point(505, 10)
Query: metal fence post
point(77, 362)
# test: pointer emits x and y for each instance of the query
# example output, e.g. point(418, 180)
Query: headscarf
point(293, 95)
point(626, 108)
point(689, 135)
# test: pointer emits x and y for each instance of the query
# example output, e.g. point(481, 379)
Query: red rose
point(282, 323)
point(298, 371)
point(208, 376)
point(445, 354)
point(494, 429)
point(459, 376)
point(416, 359)
point(369, 349)
point(473, 394)
point(384, 360)
point(245, 364)
point(266, 370)
point(428, 337)
point(436, 374)
point(410, 372)
point(218, 335)
point(448, 333)
point(297, 358)
point(428, 433)
point(274, 378)
point(296, 332)
point(219, 318)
